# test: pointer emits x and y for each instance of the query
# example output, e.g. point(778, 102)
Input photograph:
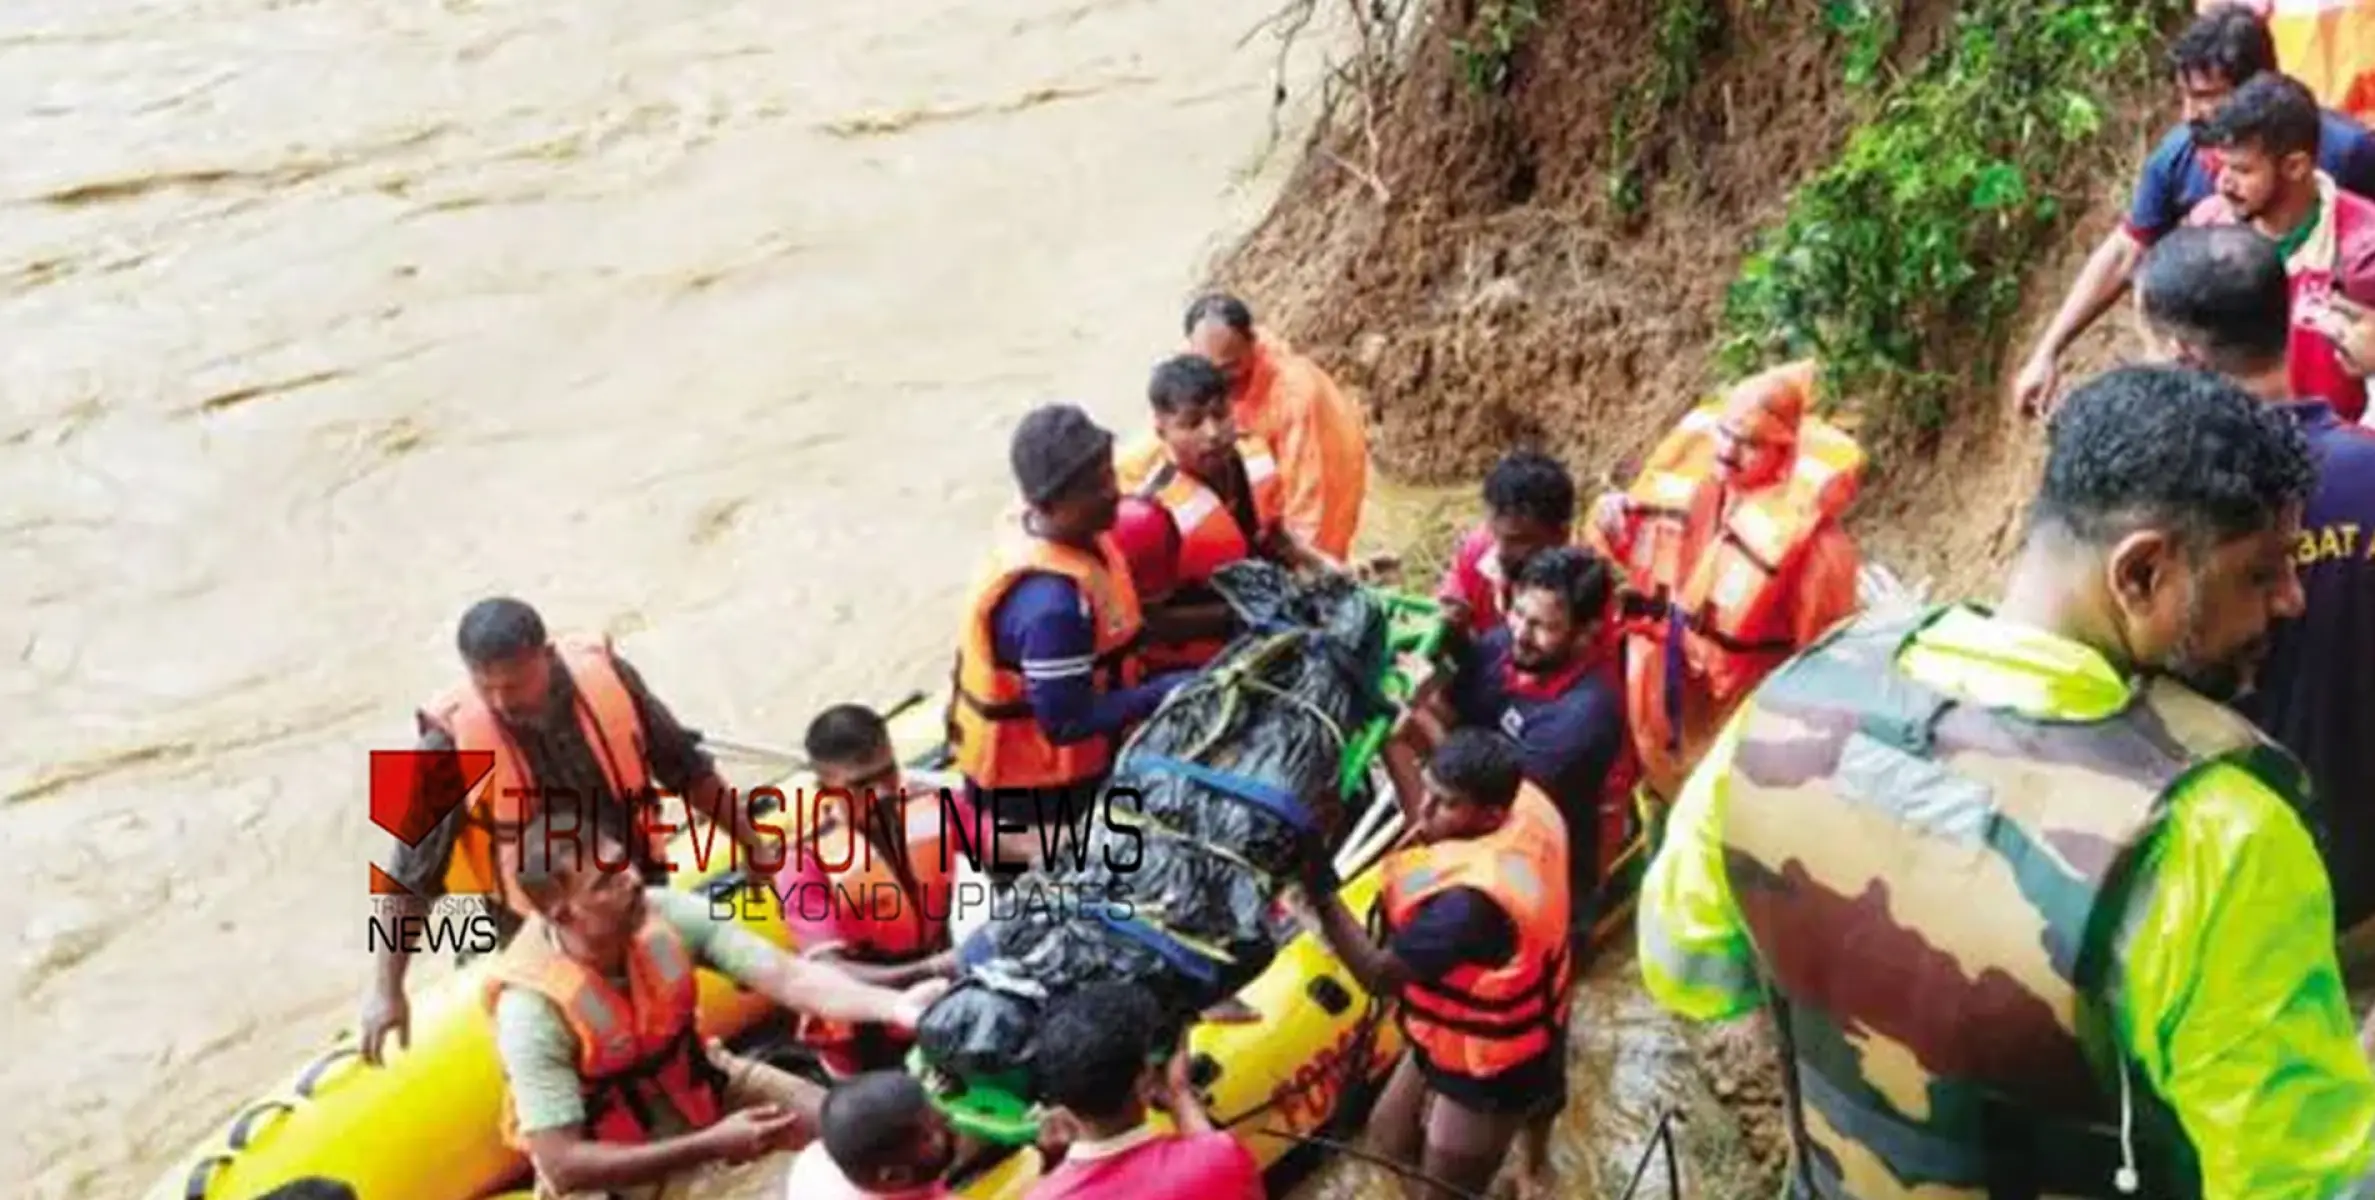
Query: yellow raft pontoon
point(422, 1126)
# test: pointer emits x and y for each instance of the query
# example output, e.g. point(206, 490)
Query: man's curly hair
point(2172, 448)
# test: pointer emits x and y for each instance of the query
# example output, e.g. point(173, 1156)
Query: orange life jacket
point(924, 879)
point(508, 799)
point(1729, 595)
point(1209, 536)
point(632, 1049)
point(991, 730)
point(1480, 1021)
point(879, 931)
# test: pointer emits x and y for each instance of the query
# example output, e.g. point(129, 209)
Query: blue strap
point(1268, 797)
point(1186, 961)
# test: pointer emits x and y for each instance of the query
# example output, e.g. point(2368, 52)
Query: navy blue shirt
point(2176, 178)
point(1042, 628)
point(2316, 691)
point(1569, 728)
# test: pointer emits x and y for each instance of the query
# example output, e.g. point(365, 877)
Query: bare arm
point(828, 990)
point(572, 1163)
point(2099, 285)
point(1294, 552)
point(1380, 973)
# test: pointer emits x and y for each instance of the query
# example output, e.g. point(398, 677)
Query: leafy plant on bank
point(1683, 30)
point(1489, 48)
point(1869, 28)
point(1913, 241)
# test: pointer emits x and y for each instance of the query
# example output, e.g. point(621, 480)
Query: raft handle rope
point(1663, 1137)
point(1379, 1160)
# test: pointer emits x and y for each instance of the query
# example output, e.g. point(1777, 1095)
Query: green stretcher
point(994, 1109)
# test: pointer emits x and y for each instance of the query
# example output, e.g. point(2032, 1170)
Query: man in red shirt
point(871, 886)
point(1096, 1058)
point(2268, 178)
point(1529, 504)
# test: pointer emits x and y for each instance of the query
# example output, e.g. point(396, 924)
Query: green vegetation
point(1870, 29)
point(1485, 54)
point(1683, 30)
point(1898, 264)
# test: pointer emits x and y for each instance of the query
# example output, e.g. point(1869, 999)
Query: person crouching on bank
point(1476, 954)
point(1047, 673)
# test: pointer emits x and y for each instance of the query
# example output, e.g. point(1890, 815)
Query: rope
point(1406, 1172)
point(1663, 1137)
point(1304, 702)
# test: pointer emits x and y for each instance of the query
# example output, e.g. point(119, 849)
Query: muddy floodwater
point(694, 321)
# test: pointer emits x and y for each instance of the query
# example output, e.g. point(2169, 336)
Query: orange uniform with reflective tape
point(1747, 576)
point(612, 728)
point(997, 741)
point(629, 1046)
point(1319, 437)
point(1209, 536)
point(1481, 1021)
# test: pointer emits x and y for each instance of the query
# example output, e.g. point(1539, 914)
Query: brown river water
point(702, 323)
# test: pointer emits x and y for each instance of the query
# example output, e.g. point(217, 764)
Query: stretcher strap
point(1165, 947)
point(1268, 797)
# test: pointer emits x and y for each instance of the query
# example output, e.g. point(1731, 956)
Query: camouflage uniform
point(1937, 894)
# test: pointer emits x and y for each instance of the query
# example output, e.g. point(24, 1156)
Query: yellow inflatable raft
point(423, 1125)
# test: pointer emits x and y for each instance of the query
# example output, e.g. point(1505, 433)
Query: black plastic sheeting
point(1205, 862)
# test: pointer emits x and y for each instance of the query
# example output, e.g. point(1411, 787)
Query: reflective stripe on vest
point(996, 739)
point(1729, 594)
point(1480, 1021)
point(1932, 890)
point(631, 1048)
point(606, 718)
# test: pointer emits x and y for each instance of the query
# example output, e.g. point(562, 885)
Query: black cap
point(1052, 447)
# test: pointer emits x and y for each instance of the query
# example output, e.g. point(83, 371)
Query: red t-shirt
point(2339, 256)
point(1473, 577)
point(1208, 1166)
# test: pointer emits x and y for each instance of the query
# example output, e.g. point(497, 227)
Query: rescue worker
point(881, 1138)
point(1731, 542)
point(1099, 1060)
point(871, 887)
point(2218, 53)
point(2034, 914)
point(1547, 678)
point(1289, 402)
point(2268, 179)
point(1223, 502)
point(573, 728)
point(1529, 505)
point(1047, 674)
point(2327, 44)
point(1476, 915)
point(610, 1089)
point(2218, 299)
